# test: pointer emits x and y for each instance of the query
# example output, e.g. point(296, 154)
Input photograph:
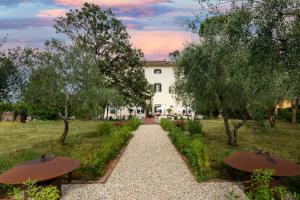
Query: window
point(157, 71)
point(157, 109)
point(140, 111)
point(113, 111)
point(157, 87)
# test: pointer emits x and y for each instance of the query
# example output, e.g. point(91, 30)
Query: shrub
point(286, 114)
point(199, 159)
point(194, 127)
point(194, 150)
point(134, 123)
point(32, 191)
point(167, 124)
point(110, 147)
point(180, 140)
point(260, 187)
point(105, 128)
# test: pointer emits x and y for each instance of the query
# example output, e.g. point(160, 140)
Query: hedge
point(192, 148)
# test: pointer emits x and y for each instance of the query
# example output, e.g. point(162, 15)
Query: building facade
point(160, 75)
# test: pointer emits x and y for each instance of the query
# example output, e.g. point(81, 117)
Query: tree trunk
point(272, 116)
point(272, 121)
point(294, 110)
point(107, 109)
point(235, 132)
point(65, 132)
point(66, 128)
point(227, 128)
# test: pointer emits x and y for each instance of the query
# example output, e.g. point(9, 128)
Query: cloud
point(110, 3)
point(17, 23)
point(52, 13)
point(158, 44)
point(17, 2)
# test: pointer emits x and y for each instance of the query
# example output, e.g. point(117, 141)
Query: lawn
point(283, 140)
point(86, 142)
point(22, 142)
point(17, 136)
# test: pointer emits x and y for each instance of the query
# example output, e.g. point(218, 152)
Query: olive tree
point(100, 32)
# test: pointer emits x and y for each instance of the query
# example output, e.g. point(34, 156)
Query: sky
point(155, 26)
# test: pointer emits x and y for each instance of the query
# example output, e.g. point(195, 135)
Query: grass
point(282, 141)
point(17, 136)
point(23, 142)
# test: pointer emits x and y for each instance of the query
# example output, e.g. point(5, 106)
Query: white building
point(160, 75)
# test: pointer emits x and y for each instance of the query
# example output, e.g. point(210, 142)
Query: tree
point(61, 76)
point(214, 70)
point(7, 74)
point(15, 69)
point(101, 32)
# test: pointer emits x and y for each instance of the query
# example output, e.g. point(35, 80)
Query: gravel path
point(151, 168)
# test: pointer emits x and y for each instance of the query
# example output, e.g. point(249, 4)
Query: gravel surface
point(151, 168)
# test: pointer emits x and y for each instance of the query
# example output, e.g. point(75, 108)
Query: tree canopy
point(239, 63)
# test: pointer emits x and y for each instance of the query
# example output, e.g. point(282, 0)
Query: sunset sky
point(155, 26)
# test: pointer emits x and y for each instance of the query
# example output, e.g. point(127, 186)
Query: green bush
point(199, 160)
point(167, 124)
point(32, 191)
point(194, 127)
point(4, 107)
point(134, 123)
point(105, 128)
point(260, 187)
point(193, 149)
point(110, 147)
point(180, 140)
point(286, 114)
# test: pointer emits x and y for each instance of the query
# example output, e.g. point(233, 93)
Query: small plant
point(199, 160)
point(134, 123)
point(167, 124)
point(34, 192)
point(260, 187)
point(194, 127)
point(232, 195)
point(105, 128)
point(194, 150)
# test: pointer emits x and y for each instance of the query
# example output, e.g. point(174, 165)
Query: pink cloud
point(132, 26)
point(110, 3)
point(51, 13)
point(157, 45)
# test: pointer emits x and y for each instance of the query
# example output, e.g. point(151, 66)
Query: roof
point(159, 64)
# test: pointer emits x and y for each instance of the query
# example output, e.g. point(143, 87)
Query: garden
point(204, 148)
point(93, 143)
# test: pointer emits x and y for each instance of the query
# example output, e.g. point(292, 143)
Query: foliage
point(285, 134)
point(286, 114)
point(237, 48)
point(93, 150)
point(192, 148)
point(110, 147)
point(194, 127)
point(105, 128)
point(134, 123)
point(32, 191)
point(167, 125)
point(92, 28)
point(8, 74)
point(180, 140)
point(260, 187)
point(4, 107)
point(199, 159)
